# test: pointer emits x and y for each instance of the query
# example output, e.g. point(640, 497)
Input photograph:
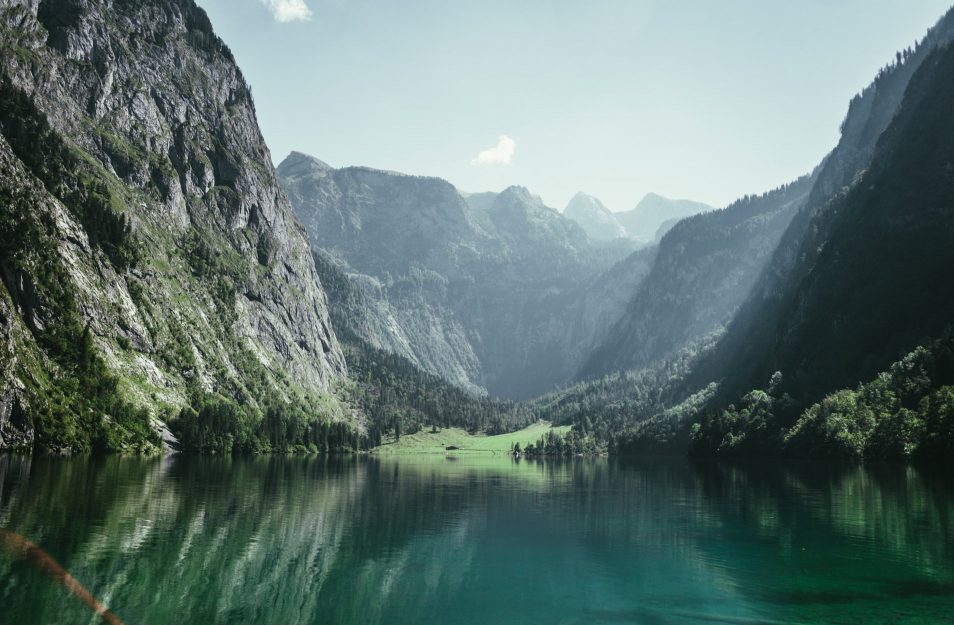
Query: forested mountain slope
point(835, 213)
point(768, 331)
point(858, 283)
point(872, 275)
point(149, 260)
point(904, 412)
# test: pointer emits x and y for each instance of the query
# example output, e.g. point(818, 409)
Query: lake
point(476, 540)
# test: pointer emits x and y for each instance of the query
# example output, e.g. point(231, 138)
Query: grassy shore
point(425, 442)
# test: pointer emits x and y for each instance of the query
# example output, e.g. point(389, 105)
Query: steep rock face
point(521, 218)
point(486, 291)
point(643, 222)
point(388, 266)
point(150, 112)
point(386, 222)
point(602, 304)
point(591, 215)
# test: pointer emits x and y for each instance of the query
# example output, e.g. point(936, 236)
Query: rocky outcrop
point(149, 106)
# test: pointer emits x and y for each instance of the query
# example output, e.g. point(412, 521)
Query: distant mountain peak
point(520, 197)
point(593, 216)
point(584, 196)
point(652, 200)
point(585, 199)
point(388, 172)
point(645, 220)
point(298, 163)
point(517, 191)
point(300, 158)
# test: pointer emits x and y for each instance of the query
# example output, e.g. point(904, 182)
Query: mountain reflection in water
point(405, 540)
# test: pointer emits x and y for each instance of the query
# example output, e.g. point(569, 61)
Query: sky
point(699, 99)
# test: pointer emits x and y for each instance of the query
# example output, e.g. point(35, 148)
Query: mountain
point(702, 272)
point(488, 290)
point(533, 305)
point(643, 222)
point(860, 279)
point(396, 258)
point(150, 262)
point(395, 393)
point(866, 276)
point(755, 334)
point(648, 222)
point(159, 284)
point(597, 221)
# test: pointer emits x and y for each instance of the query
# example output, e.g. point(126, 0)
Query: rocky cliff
point(143, 221)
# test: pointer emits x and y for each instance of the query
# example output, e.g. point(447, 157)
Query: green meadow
point(425, 441)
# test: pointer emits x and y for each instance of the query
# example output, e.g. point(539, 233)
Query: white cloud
point(288, 10)
point(500, 154)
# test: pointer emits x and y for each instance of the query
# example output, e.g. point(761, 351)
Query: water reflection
point(405, 540)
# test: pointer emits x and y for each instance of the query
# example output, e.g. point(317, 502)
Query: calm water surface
point(478, 541)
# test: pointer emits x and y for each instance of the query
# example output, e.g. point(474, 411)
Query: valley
point(158, 272)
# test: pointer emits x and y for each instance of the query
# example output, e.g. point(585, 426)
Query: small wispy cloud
point(500, 154)
point(288, 10)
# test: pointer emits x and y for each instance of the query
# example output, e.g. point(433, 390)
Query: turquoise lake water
point(477, 541)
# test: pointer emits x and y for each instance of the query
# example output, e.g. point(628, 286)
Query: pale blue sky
point(699, 99)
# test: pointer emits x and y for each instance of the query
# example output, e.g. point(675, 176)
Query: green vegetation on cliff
point(75, 398)
point(151, 267)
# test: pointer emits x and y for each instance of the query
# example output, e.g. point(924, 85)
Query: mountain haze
point(647, 223)
point(643, 222)
point(487, 291)
point(703, 271)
